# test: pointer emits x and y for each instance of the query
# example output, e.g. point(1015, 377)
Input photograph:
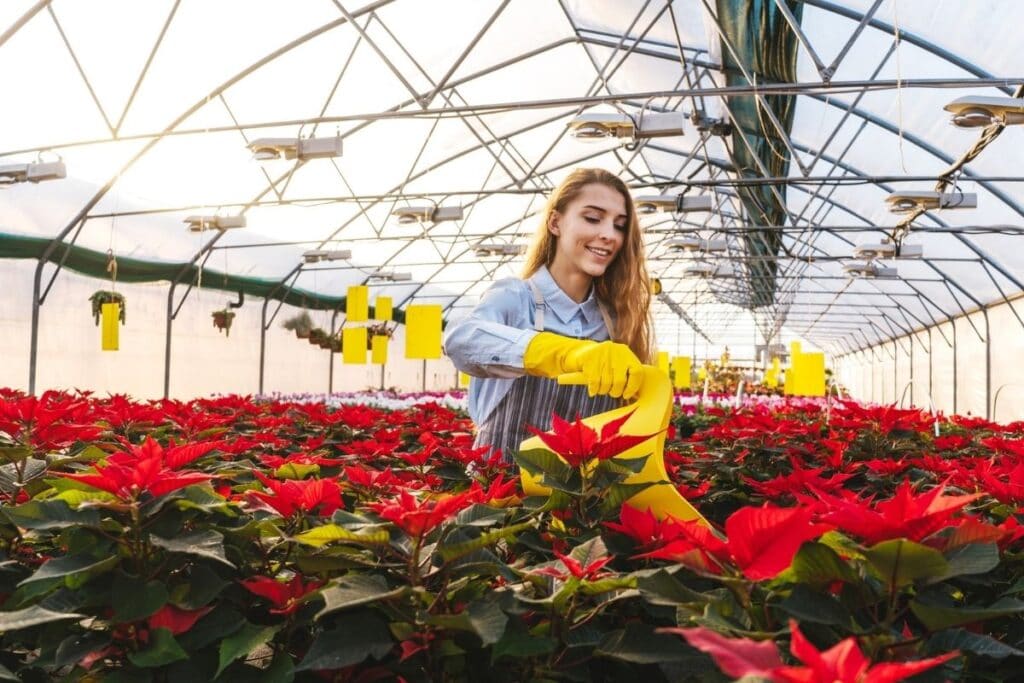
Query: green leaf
point(328, 533)
point(32, 616)
point(76, 646)
point(808, 605)
point(356, 589)
point(295, 471)
point(662, 588)
point(11, 454)
point(639, 644)
point(355, 638)
point(817, 564)
point(590, 551)
point(203, 586)
point(540, 461)
point(7, 675)
point(74, 570)
point(608, 584)
point(162, 649)
point(900, 562)
point(215, 626)
point(11, 481)
point(973, 558)
point(484, 618)
point(975, 643)
point(938, 617)
point(145, 598)
point(617, 494)
point(634, 465)
point(480, 515)
point(206, 543)
point(50, 514)
point(518, 643)
point(281, 670)
point(242, 642)
point(452, 551)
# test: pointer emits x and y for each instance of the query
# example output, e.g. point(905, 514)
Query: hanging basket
point(301, 324)
point(101, 297)
point(222, 320)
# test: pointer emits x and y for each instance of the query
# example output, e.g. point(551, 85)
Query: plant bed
point(280, 540)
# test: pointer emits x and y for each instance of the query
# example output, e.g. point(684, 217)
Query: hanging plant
point(222, 320)
point(318, 335)
point(380, 329)
point(334, 344)
point(101, 297)
point(301, 324)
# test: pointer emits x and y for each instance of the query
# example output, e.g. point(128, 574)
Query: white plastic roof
point(465, 102)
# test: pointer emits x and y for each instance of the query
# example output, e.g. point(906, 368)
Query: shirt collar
point(561, 303)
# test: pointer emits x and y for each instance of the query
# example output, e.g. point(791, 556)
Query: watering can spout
point(651, 413)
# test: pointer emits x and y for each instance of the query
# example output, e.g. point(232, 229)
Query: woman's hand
point(609, 368)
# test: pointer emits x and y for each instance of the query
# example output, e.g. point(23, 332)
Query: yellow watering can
point(651, 414)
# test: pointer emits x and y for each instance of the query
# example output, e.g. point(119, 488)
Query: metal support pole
point(953, 323)
point(912, 369)
point(424, 374)
point(263, 341)
point(330, 363)
point(988, 365)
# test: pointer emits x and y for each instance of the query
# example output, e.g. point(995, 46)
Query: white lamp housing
point(390, 276)
point(427, 213)
point(868, 269)
point(652, 203)
point(596, 126)
point(697, 245)
point(708, 270)
point(977, 112)
point(318, 255)
point(268, 149)
point(886, 249)
point(907, 202)
point(201, 223)
point(485, 249)
point(32, 172)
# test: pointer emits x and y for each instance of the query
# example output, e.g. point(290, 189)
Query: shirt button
point(494, 358)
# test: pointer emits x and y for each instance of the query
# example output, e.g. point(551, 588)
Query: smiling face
point(590, 232)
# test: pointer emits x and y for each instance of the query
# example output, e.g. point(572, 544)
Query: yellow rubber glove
point(609, 367)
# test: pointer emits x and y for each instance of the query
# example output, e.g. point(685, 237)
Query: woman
point(583, 305)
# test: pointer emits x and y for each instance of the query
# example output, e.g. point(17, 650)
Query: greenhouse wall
point(203, 360)
point(967, 366)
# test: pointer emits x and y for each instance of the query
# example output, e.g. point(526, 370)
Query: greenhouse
point(299, 299)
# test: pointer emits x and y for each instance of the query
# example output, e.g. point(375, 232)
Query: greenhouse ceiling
point(422, 137)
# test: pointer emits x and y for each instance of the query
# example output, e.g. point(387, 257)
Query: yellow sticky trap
point(663, 361)
point(109, 329)
point(423, 331)
point(357, 304)
point(651, 414)
point(382, 308)
point(353, 345)
point(379, 352)
point(463, 380)
point(810, 375)
point(681, 367)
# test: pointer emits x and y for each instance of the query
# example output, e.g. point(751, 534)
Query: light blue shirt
point(490, 342)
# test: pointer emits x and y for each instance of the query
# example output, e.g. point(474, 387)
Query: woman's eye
point(591, 219)
point(620, 227)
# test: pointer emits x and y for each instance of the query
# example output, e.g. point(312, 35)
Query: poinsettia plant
point(237, 539)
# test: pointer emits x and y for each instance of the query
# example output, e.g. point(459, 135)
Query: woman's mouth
point(602, 253)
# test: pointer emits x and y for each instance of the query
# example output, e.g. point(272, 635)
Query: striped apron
point(531, 400)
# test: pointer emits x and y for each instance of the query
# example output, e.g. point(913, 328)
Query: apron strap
point(540, 307)
point(538, 302)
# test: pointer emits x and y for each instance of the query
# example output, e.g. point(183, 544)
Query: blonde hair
point(625, 287)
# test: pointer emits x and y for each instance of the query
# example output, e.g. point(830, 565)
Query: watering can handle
point(572, 378)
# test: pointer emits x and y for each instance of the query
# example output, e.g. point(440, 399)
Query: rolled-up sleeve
point(491, 340)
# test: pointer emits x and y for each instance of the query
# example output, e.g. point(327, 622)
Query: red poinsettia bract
point(761, 541)
point(842, 663)
point(905, 515)
point(578, 444)
point(419, 517)
point(147, 468)
point(313, 496)
point(285, 597)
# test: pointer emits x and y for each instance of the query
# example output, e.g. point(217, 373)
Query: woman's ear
point(553, 223)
